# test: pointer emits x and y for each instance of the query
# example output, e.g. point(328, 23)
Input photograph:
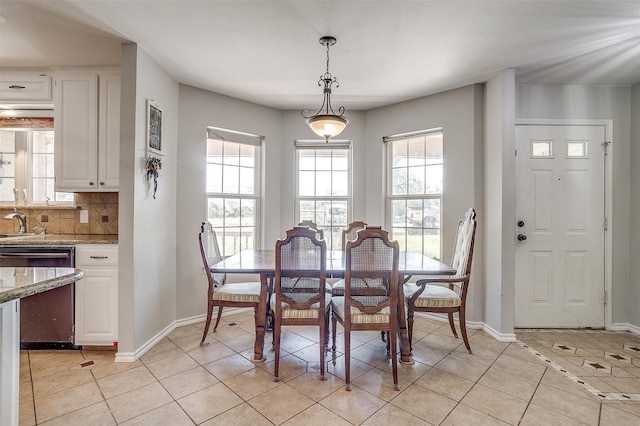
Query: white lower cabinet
point(96, 315)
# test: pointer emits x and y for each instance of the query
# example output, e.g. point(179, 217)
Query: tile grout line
point(606, 396)
point(33, 391)
point(477, 382)
point(601, 396)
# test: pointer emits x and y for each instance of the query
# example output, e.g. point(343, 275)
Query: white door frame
point(608, 188)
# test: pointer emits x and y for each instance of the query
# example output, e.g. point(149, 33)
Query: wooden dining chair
point(300, 296)
point(221, 293)
point(311, 224)
point(348, 234)
point(447, 294)
point(371, 263)
point(352, 232)
point(320, 235)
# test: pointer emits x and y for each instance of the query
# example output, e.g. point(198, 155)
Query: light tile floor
point(547, 377)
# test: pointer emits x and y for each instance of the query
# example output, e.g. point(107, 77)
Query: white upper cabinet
point(109, 131)
point(25, 86)
point(87, 130)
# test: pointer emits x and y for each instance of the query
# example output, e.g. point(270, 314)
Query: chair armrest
point(424, 281)
point(451, 282)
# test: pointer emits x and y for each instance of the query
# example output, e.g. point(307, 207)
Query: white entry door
point(560, 227)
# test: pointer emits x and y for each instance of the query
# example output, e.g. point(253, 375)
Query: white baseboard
point(500, 337)
point(124, 357)
point(474, 325)
point(626, 327)
point(132, 356)
point(193, 320)
point(443, 318)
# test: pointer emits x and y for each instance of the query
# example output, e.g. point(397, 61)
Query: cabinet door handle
point(16, 86)
point(91, 183)
point(99, 257)
point(101, 183)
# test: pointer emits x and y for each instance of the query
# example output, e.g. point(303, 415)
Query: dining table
point(262, 262)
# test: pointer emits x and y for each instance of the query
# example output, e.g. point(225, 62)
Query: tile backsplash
point(102, 208)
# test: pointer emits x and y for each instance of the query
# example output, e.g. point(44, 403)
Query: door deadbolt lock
point(520, 224)
point(522, 237)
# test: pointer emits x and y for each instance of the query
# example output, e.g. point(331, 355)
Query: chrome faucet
point(22, 219)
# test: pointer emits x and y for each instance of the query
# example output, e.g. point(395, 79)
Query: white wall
point(459, 113)
point(634, 247)
point(463, 151)
point(499, 191)
point(597, 102)
point(147, 226)
point(199, 109)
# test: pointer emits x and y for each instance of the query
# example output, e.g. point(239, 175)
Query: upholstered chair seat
point(433, 296)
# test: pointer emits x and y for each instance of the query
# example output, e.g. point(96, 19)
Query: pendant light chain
point(328, 73)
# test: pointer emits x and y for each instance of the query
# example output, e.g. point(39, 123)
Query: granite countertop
point(19, 282)
point(60, 239)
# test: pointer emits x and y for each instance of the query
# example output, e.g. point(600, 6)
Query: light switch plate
point(84, 216)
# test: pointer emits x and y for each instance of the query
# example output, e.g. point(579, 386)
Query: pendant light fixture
point(326, 122)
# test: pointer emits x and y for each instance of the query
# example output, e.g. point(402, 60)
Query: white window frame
point(334, 239)
point(241, 138)
point(23, 170)
point(409, 228)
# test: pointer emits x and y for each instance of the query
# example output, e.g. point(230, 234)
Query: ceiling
point(268, 52)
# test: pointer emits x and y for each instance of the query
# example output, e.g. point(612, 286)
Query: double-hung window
point(27, 165)
point(414, 190)
point(323, 187)
point(233, 188)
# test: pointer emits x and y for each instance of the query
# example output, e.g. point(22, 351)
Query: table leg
point(405, 347)
point(258, 347)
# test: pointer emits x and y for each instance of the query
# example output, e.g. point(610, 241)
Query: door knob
point(520, 224)
point(522, 237)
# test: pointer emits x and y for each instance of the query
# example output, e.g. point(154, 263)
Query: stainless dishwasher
point(46, 319)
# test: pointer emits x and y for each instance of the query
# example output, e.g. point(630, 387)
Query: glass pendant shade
point(327, 126)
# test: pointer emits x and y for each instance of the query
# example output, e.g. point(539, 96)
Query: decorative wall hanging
point(153, 162)
point(154, 127)
point(153, 166)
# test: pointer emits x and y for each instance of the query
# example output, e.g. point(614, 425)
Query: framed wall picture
point(154, 127)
